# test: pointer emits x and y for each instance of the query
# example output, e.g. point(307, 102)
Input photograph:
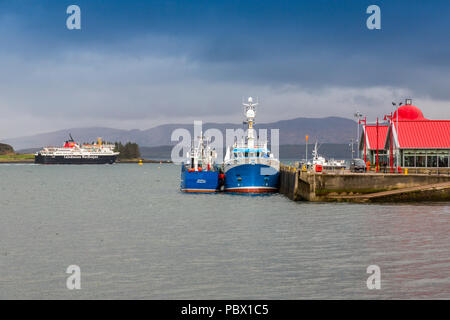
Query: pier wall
point(311, 186)
point(368, 183)
point(289, 182)
point(434, 194)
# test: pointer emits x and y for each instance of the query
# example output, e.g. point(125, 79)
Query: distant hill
point(28, 151)
point(6, 149)
point(335, 151)
point(325, 130)
point(156, 153)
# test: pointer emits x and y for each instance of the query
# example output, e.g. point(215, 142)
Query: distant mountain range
point(287, 152)
point(292, 132)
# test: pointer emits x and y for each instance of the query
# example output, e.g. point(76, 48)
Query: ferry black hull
point(62, 160)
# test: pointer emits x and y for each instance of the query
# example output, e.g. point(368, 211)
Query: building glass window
point(384, 159)
point(410, 161)
point(431, 161)
point(420, 161)
point(443, 161)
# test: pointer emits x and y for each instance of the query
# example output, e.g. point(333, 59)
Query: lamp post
point(351, 144)
point(306, 138)
point(365, 138)
point(397, 106)
point(391, 156)
point(358, 116)
point(378, 167)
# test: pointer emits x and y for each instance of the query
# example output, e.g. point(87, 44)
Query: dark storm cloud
point(172, 59)
point(305, 42)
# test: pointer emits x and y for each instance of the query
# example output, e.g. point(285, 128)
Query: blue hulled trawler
point(199, 172)
point(250, 167)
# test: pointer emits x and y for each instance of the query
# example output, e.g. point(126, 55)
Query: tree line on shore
point(128, 151)
point(6, 149)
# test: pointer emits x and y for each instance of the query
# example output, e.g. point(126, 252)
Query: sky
point(138, 64)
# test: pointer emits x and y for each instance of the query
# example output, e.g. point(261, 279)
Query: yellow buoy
point(140, 162)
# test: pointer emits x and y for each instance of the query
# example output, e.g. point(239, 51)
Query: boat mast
point(315, 152)
point(197, 152)
point(250, 113)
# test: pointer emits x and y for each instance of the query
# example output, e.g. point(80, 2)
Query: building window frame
point(420, 158)
point(443, 155)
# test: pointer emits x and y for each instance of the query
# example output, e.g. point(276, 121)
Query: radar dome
point(250, 113)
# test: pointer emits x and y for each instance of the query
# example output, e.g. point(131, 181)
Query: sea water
point(134, 235)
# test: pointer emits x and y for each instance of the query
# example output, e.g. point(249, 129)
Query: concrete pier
point(368, 187)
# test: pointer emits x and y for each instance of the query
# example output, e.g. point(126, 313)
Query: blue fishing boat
point(250, 167)
point(199, 172)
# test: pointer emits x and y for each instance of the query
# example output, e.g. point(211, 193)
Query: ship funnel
point(250, 99)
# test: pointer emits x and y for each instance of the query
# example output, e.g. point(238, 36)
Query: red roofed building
point(417, 142)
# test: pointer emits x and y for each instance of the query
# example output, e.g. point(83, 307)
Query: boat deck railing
point(253, 160)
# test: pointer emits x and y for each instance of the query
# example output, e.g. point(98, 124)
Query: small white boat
point(326, 164)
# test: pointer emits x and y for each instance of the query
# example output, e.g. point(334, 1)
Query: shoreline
point(143, 161)
point(31, 161)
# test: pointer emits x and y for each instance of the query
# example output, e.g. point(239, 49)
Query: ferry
point(250, 167)
point(199, 173)
point(74, 153)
